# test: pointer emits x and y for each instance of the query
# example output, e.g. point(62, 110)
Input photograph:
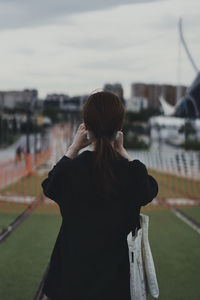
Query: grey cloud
point(25, 51)
point(23, 13)
point(107, 43)
point(122, 64)
point(95, 42)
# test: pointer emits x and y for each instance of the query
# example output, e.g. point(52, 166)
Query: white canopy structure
point(168, 109)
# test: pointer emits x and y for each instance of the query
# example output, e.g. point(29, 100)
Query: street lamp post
point(35, 138)
point(1, 115)
point(28, 116)
point(29, 166)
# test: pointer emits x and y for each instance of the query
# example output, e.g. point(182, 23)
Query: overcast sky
point(75, 46)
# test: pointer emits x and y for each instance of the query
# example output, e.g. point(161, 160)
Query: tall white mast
point(186, 47)
point(182, 40)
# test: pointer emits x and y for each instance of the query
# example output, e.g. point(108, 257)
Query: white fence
point(181, 163)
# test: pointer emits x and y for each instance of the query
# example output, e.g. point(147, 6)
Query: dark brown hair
point(103, 114)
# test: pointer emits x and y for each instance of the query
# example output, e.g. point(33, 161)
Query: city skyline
point(70, 50)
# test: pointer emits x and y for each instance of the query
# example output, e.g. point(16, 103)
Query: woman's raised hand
point(80, 139)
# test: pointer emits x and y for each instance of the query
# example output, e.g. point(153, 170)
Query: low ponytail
point(103, 115)
point(104, 159)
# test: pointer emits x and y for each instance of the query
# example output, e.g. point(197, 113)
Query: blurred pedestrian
point(18, 154)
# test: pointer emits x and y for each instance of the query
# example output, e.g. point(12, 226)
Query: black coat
point(90, 258)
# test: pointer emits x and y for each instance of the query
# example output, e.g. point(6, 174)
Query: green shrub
point(135, 142)
point(191, 145)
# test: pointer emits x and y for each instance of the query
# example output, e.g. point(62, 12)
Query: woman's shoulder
point(137, 166)
point(136, 163)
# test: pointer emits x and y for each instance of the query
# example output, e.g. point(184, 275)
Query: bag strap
point(137, 224)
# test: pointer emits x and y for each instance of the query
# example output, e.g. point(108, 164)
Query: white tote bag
point(143, 278)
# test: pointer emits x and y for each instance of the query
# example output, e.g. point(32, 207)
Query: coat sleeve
point(147, 186)
point(56, 180)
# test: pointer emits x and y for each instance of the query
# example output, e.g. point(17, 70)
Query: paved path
point(9, 153)
point(186, 219)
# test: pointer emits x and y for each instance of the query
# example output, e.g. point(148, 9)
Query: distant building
point(71, 104)
point(54, 101)
point(136, 104)
point(64, 102)
point(74, 103)
point(18, 99)
point(116, 89)
point(152, 92)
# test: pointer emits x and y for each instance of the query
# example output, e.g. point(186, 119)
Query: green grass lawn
point(193, 212)
point(25, 254)
point(6, 219)
point(10, 211)
point(175, 247)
